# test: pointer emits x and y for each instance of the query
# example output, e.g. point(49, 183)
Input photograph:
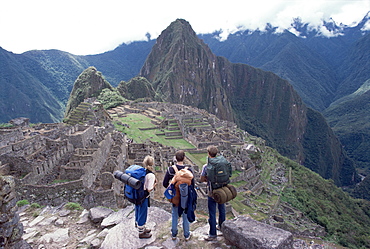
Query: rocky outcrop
point(103, 228)
point(245, 232)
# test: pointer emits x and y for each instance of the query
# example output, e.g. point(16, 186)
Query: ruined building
point(53, 164)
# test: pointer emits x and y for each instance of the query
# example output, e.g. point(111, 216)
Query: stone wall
point(82, 138)
point(11, 229)
point(10, 135)
point(92, 169)
point(55, 194)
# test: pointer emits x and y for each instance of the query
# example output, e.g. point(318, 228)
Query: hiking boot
point(145, 235)
point(209, 238)
point(143, 229)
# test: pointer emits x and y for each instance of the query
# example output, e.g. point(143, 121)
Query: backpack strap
point(175, 168)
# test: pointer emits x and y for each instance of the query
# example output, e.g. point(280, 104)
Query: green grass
point(198, 158)
point(239, 183)
point(137, 121)
point(5, 125)
point(73, 206)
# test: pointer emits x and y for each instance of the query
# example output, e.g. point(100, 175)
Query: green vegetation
point(90, 83)
point(136, 88)
point(73, 206)
point(22, 203)
point(110, 98)
point(35, 205)
point(345, 219)
point(198, 158)
point(5, 125)
point(350, 120)
point(136, 122)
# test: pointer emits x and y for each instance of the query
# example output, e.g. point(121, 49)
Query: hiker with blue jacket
point(215, 162)
point(171, 178)
point(141, 211)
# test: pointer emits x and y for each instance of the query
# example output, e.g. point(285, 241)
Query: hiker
point(214, 161)
point(170, 174)
point(141, 211)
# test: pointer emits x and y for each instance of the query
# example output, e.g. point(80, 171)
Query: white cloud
point(90, 27)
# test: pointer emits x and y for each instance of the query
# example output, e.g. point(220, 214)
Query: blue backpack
point(136, 196)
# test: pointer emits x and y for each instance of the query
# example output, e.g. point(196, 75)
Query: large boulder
point(244, 232)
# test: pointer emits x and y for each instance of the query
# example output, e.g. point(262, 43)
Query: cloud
point(90, 27)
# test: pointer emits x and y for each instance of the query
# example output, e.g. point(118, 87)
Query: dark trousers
point(212, 206)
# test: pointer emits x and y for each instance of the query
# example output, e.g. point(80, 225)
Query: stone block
point(244, 232)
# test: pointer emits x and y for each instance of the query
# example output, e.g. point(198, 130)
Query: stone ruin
point(57, 163)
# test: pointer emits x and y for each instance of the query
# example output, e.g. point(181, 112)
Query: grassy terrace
point(136, 121)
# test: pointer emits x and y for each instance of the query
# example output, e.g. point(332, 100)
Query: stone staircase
point(81, 114)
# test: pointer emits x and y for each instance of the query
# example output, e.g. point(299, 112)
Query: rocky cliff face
point(182, 69)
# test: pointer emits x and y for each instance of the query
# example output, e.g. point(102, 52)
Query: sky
point(84, 27)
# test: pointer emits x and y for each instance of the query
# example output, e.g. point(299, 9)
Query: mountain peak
point(88, 84)
point(183, 70)
point(179, 30)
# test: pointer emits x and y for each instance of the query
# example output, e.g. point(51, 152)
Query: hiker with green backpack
point(216, 173)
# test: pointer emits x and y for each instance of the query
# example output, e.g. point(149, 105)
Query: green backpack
point(218, 172)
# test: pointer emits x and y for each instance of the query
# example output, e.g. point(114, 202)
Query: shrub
point(22, 203)
point(73, 206)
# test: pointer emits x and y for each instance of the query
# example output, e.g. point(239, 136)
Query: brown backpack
point(181, 176)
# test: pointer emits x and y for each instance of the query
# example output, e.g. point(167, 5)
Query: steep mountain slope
point(50, 74)
point(349, 115)
point(22, 94)
point(287, 56)
point(183, 70)
point(317, 66)
point(122, 63)
point(54, 69)
point(350, 119)
point(356, 67)
point(89, 84)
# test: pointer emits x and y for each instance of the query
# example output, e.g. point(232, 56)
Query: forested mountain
point(52, 74)
point(321, 69)
point(349, 117)
point(25, 90)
